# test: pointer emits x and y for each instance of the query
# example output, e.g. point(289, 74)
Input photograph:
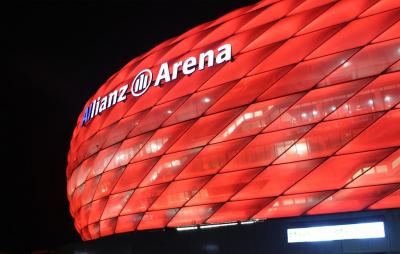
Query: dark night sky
point(57, 54)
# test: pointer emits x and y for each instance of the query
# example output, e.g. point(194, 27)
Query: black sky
point(57, 54)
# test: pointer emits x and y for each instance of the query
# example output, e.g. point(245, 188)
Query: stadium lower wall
point(262, 237)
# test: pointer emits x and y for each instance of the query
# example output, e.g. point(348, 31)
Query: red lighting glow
point(303, 120)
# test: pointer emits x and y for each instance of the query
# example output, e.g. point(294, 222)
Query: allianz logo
point(167, 73)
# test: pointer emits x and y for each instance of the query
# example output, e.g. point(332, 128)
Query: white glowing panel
point(337, 232)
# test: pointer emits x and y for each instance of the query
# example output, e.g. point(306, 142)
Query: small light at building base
point(337, 232)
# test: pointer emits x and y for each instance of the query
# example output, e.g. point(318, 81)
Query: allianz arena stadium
point(280, 109)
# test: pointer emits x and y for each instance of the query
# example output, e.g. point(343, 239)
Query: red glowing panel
point(242, 39)
point(371, 60)
point(265, 148)
point(255, 118)
point(381, 6)
point(247, 90)
point(337, 171)
point(394, 67)
point(276, 179)
point(156, 219)
point(316, 105)
point(189, 84)
point(119, 110)
point(212, 158)
point(292, 205)
point(226, 29)
point(299, 116)
point(285, 28)
point(192, 215)
point(107, 182)
point(342, 11)
point(102, 159)
point(182, 46)
point(204, 129)
point(197, 104)
point(107, 226)
point(84, 215)
point(127, 223)
point(383, 133)
point(309, 4)
point(295, 49)
point(381, 94)
point(161, 141)
point(327, 137)
point(354, 35)
point(96, 209)
point(115, 204)
point(178, 193)
point(120, 131)
point(303, 76)
point(133, 175)
point(247, 60)
point(390, 201)
point(150, 98)
point(238, 210)
point(356, 199)
point(127, 151)
point(272, 13)
point(94, 230)
point(142, 198)
point(168, 167)
point(386, 171)
point(392, 33)
point(222, 186)
point(156, 116)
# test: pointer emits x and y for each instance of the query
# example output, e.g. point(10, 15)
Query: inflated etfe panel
point(284, 108)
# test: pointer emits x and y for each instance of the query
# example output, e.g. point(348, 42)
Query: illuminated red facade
point(304, 120)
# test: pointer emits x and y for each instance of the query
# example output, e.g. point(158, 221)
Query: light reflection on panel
point(238, 210)
point(178, 193)
point(255, 118)
point(142, 198)
point(265, 148)
point(386, 171)
point(381, 94)
point(316, 105)
point(355, 35)
point(169, 166)
point(161, 141)
point(369, 61)
point(390, 201)
point(212, 158)
point(197, 104)
point(327, 137)
point(133, 174)
point(347, 200)
point(341, 12)
point(193, 215)
point(222, 186)
point(383, 133)
point(204, 129)
point(303, 76)
point(276, 179)
point(337, 171)
point(247, 89)
point(292, 205)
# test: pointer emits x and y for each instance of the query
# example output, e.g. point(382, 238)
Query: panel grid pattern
point(305, 120)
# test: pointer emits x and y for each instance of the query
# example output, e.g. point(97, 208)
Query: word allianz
point(143, 79)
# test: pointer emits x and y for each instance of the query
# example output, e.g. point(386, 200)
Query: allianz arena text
point(280, 109)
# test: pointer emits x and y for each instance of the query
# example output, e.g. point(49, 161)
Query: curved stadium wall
point(300, 116)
